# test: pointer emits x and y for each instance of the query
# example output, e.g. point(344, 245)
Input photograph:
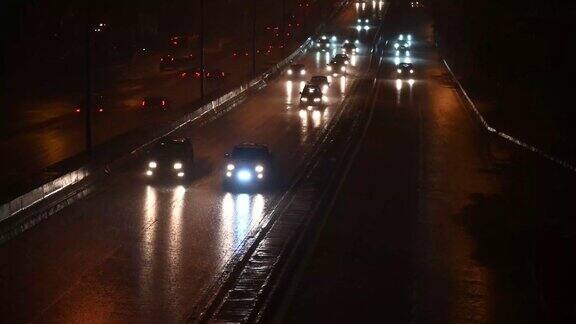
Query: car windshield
point(318, 79)
point(249, 153)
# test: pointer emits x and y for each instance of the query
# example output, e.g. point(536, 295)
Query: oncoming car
point(336, 67)
point(312, 95)
point(296, 69)
point(342, 58)
point(349, 47)
point(322, 44)
point(319, 80)
point(170, 159)
point(405, 69)
point(248, 166)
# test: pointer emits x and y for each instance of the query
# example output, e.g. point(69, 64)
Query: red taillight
point(143, 103)
point(223, 73)
point(77, 110)
point(235, 54)
point(163, 103)
point(183, 74)
point(100, 110)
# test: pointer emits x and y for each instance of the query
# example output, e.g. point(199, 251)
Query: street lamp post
point(202, 69)
point(253, 38)
point(88, 100)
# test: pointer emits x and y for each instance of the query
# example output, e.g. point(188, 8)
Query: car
point(196, 73)
point(249, 165)
point(320, 80)
point(171, 159)
point(168, 62)
point(336, 67)
point(155, 102)
point(405, 69)
point(322, 44)
point(349, 47)
point(312, 95)
point(98, 102)
point(362, 24)
point(403, 51)
point(296, 69)
point(344, 58)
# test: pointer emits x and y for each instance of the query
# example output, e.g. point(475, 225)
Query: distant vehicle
point(336, 67)
point(311, 95)
point(248, 166)
point(171, 158)
point(319, 80)
point(296, 69)
point(362, 24)
point(169, 62)
point(98, 102)
point(196, 74)
point(322, 44)
point(405, 69)
point(349, 47)
point(403, 51)
point(343, 58)
point(416, 4)
point(155, 102)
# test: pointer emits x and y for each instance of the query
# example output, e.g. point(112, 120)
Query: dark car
point(296, 69)
point(248, 166)
point(168, 62)
point(342, 58)
point(336, 67)
point(320, 80)
point(155, 102)
point(311, 95)
point(405, 69)
point(196, 74)
point(349, 47)
point(98, 102)
point(403, 51)
point(322, 44)
point(171, 158)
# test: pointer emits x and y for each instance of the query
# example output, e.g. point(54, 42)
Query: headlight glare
point(259, 168)
point(152, 165)
point(230, 167)
point(177, 166)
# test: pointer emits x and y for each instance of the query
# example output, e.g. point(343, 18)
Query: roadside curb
point(470, 104)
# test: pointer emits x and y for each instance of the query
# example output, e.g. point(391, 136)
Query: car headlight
point(399, 71)
point(180, 174)
point(149, 173)
point(230, 167)
point(327, 45)
point(411, 71)
point(346, 62)
point(396, 45)
point(302, 72)
point(316, 99)
point(177, 166)
point(152, 165)
point(290, 72)
point(317, 44)
point(228, 174)
point(304, 99)
point(343, 69)
point(259, 169)
point(329, 68)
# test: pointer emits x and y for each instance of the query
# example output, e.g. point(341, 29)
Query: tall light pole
point(253, 39)
point(202, 69)
point(88, 99)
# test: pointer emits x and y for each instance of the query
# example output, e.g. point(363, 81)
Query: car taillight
point(223, 73)
point(143, 103)
point(77, 110)
point(183, 74)
point(100, 110)
point(163, 103)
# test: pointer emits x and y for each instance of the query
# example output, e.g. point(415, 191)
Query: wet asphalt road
point(134, 252)
point(410, 241)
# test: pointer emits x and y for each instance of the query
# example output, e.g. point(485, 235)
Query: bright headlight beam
point(230, 167)
point(259, 168)
point(152, 165)
point(177, 166)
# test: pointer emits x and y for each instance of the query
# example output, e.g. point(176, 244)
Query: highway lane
point(141, 253)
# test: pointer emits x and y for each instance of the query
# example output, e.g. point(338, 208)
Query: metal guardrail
point(35, 196)
point(503, 135)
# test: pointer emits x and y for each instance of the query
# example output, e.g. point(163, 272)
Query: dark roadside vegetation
point(512, 57)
